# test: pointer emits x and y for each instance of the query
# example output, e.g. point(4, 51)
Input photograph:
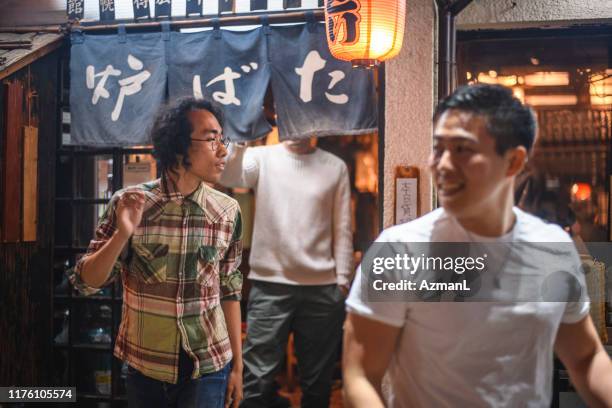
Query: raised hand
point(129, 211)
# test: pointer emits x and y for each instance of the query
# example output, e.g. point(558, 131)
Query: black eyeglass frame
point(216, 142)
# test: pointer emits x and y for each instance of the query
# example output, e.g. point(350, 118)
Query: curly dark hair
point(171, 132)
point(508, 121)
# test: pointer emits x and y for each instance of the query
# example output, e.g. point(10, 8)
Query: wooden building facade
point(30, 66)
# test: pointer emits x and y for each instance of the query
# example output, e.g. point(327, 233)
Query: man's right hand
point(129, 212)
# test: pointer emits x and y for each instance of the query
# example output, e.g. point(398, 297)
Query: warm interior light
point(551, 100)
point(509, 80)
point(581, 191)
point(485, 78)
point(547, 79)
point(600, 88)
point(519, 93)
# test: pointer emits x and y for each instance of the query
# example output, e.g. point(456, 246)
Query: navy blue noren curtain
point(236, 77)
point(314, 93)
point(118, 83)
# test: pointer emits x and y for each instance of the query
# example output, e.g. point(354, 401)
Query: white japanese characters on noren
point(229, 96)
point(312, 64)
point(107, 5)
point(141, 4)
point(128, 86)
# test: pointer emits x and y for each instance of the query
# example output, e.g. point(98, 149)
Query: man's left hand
point(233, 395)
point(344, 289)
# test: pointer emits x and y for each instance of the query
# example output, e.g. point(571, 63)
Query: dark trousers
point(207, 391)
point(315, 315)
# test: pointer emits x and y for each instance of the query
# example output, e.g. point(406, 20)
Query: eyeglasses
point(215, 142)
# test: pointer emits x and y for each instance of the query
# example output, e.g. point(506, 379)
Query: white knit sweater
point(302, 228)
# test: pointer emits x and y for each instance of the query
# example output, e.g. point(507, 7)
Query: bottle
point(102, 376)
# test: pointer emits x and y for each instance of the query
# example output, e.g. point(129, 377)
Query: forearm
point(343, 235)
point(593, 379)
point(367, 350)
point(361, 392)
point(231, 311)
point(98, 266)
point(343, 254)
point(233, 174)
point(344, 269)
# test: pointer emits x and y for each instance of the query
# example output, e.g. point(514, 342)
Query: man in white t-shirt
point(471, 353)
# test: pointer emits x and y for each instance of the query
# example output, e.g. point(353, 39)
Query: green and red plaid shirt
point(182, 261)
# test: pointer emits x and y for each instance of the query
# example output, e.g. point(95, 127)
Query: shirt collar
point(171, 193)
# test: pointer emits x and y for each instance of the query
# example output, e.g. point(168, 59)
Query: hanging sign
point(163, 8)
point(107, 10)
point(141, 9)
point(74, 9)
point(259, 5)
point(292, 4)
point(194, 7)
point(406, 194)
point(226, 6)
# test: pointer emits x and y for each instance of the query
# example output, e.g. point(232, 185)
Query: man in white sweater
point(301, 264)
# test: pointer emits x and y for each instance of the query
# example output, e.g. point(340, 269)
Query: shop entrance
point(566, 76)
point(84, 328)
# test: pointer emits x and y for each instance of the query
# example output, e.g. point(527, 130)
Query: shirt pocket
point(150, 262)
point(208, 266)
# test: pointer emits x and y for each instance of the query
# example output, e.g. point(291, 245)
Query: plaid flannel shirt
point(182, 261)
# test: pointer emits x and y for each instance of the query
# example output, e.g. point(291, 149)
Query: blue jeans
point(207, 391)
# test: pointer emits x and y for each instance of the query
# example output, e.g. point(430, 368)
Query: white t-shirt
point(472, 354)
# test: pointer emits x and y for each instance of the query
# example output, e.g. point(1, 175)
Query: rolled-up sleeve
point(241, 167)
point(230, 275)
point(104, 231)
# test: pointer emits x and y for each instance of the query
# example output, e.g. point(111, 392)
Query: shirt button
point(180, 299)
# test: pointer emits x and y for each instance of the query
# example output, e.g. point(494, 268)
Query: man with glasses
point(301, 265)
point(176, 244)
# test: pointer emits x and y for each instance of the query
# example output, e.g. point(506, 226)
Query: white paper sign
point(406, 200)
point(136, 173)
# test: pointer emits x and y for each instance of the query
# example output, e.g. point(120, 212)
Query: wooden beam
point(53, 29)
point(30, 183)
point(11, 211)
